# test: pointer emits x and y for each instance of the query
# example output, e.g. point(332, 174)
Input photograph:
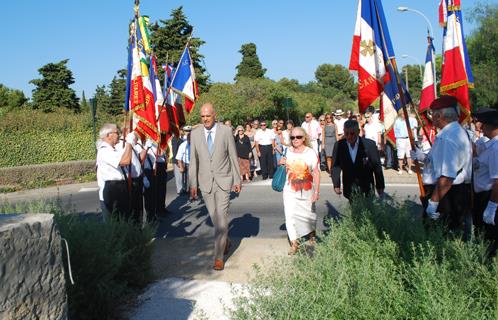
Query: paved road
point(257, 211)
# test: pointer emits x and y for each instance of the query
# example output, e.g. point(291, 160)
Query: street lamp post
point(404, 9)
point(405, 56)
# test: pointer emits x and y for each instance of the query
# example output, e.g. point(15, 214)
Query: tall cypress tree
point(250, 66)
point(117, 90)
point(83, 103)
point(52, 90)
point(169, 37)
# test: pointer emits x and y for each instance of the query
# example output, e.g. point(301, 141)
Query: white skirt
point(300, 216)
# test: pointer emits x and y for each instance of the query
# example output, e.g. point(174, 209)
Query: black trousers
point(454, 207)
point(161, 178)
point(490, 232)
point(150, 201)
point(266, 161)
point(116, 198)
point(136, 203)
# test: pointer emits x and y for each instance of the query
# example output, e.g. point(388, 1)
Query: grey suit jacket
point(221, 167)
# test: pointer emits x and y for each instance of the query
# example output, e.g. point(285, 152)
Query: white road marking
point(88, 189)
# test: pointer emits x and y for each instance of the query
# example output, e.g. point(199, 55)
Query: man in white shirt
point(183, 159)
point(313, 130)
point(113, 189)
point(450, 161)
point(339, 122)
point(373, 130)
point(486, 178)
point(265, 142)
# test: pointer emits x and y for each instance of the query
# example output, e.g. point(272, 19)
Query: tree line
point(252, 94)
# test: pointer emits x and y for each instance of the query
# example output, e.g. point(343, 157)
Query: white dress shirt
point(353, 150)
point(183, 153)
point(213, 132)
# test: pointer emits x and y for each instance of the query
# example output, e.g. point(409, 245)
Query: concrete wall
point(32, 284)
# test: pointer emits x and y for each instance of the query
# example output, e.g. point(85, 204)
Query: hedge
point(42, 174)
point(33, 137)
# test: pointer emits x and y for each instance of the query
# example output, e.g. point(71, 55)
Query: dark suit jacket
point(361, 173)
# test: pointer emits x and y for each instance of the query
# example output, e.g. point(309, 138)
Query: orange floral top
point(300, 168)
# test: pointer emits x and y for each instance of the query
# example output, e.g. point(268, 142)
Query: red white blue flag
point(428, 93)
point(456, 74)
point(371, 57)
point(184, 81)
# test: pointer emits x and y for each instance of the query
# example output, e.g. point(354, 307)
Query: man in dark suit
point(359, 162)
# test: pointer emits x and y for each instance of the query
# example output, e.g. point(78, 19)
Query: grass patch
point(378, 262)
point(110, 261)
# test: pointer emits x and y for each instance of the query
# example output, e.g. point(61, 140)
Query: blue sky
point(292, 37)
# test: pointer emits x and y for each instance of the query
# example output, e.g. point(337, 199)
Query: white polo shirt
point(264, 137)
point(486, 166)
point(108, 168)
point(452, 153)
point(339, 123)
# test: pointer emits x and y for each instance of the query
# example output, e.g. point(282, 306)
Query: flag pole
point(392, 60)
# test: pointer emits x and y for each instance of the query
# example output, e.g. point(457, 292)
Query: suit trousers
point(217, 202)
point(266, 161)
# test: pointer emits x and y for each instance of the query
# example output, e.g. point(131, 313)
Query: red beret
point(444, 102)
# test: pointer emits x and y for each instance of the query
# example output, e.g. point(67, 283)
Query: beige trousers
point(217, 202)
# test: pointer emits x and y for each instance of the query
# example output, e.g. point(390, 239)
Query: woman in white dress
point(302, 188)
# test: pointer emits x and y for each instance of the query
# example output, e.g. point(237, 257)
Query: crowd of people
point(213, 159)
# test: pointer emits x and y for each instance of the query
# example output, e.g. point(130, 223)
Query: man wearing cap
point(450, 165)
point(183, 159)
point(486, 178)
point(339, 122)
point(214, 169)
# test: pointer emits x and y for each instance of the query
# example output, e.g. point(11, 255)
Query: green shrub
point(379, 262)
point(34, 137)
point(109, 260)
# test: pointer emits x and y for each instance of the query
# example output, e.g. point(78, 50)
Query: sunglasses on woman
point(296, 137)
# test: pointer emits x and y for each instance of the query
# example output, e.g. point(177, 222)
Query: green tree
point(117, 90)
point(337, 79)
point(84, 104)
point(11, 99)
point(169, 38)
point(52, 91)
point(483, 52)
point(102, 99)
point(250, 66)
point(414, 80)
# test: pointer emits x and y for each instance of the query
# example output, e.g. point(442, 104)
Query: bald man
point(214, 169)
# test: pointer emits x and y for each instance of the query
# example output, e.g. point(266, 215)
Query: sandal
point(294, 248)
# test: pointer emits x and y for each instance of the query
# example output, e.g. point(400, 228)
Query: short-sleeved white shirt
point(340, 125)
point(136, 165)
point(372, 131)
point(108, 169)
point(264, 138)
point(452, 153)
point(313, 129)
point(183, 153)
point(486, 166)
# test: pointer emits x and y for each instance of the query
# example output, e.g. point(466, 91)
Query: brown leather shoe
point(218, 265)
point(227, 246)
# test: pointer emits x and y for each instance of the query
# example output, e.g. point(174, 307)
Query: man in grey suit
point(214, 169)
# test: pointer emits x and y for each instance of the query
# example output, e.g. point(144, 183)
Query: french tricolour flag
point(428, 93)
point(184, 80)
point(371, 57)
point(456, 74)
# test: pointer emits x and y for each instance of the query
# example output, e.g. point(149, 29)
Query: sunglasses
point(263, 124)
point(296, 137)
